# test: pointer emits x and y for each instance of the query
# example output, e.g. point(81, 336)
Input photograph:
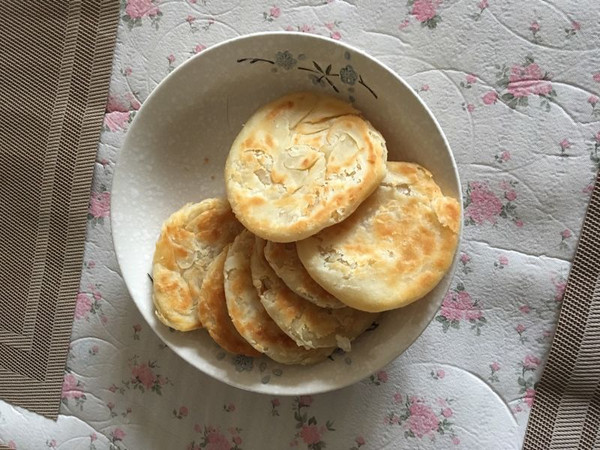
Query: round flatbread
point(190, 239)
point(300, 164)
point(394, 249)
point(249, 316)
point(284, 260)
point(212, 310)
point(303, 321)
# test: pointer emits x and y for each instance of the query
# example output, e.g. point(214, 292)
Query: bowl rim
point(264, 388)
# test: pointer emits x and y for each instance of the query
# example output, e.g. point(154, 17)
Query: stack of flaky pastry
point(319, 234)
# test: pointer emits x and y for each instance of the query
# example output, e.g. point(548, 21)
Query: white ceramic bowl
point(175, 152)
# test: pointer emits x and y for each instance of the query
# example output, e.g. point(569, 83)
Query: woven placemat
point(566, 410)
point(55, 66)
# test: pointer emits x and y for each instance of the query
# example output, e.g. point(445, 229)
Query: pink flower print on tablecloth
point(520, 329)
point(83, 306)
point(438, 374)
point(137, 328)
point(215, 439)
point(494, 368)
point(420, 420)
point(573, 29)
point(560, 285)
point(564, 145)
point(137, 10)
point(527, 80)
point(379, 378)
point(482, 6)
point(502, 262)
point(535, 29)
point(117, 435)
point(180, 413)
point(458, 307)
point(593, 101)
point(229, 407)
point(490, 98)
point(89, 303)
point(465, 260)
point(197, 49)
point(273, 13)
point(594, 148)
point(305, 28)
point(529, 396)
point(333, 30)
point(503, 157)
point(118, 113)
point(305, 400)
point(426, 12)
point(143, 378)
point(310, 432)
point(521, 81)
point(275, 403)
point(531, 362)
point(526, 380)
point(72, 389)
point(171, 62)
point(548, 310)
point(99, 207)
point(565, 235)
point(116, 120)
point(482, 205)
point(143, 374)
point(404, 24)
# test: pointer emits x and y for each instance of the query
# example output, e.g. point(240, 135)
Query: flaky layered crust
point(300, 164)
point(306, 323)
point(190, 239)
point(212, 310)
point(248, 314)
point(284, 260)
point(394, 249)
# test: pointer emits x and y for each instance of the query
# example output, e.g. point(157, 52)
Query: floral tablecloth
point(514, 85)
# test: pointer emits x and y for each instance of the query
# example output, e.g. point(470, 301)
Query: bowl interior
point(175, 152)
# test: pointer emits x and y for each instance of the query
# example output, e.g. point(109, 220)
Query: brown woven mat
point(55, 66)
point(566, 411)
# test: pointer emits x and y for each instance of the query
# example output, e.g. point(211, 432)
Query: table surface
point(515, 86)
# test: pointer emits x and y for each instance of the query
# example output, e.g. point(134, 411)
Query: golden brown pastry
point(306, 323)
point(300, 164)
point(190, 239)
point(394, 249)
point(284, 260)
point(249, 316)
point(212, 310)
